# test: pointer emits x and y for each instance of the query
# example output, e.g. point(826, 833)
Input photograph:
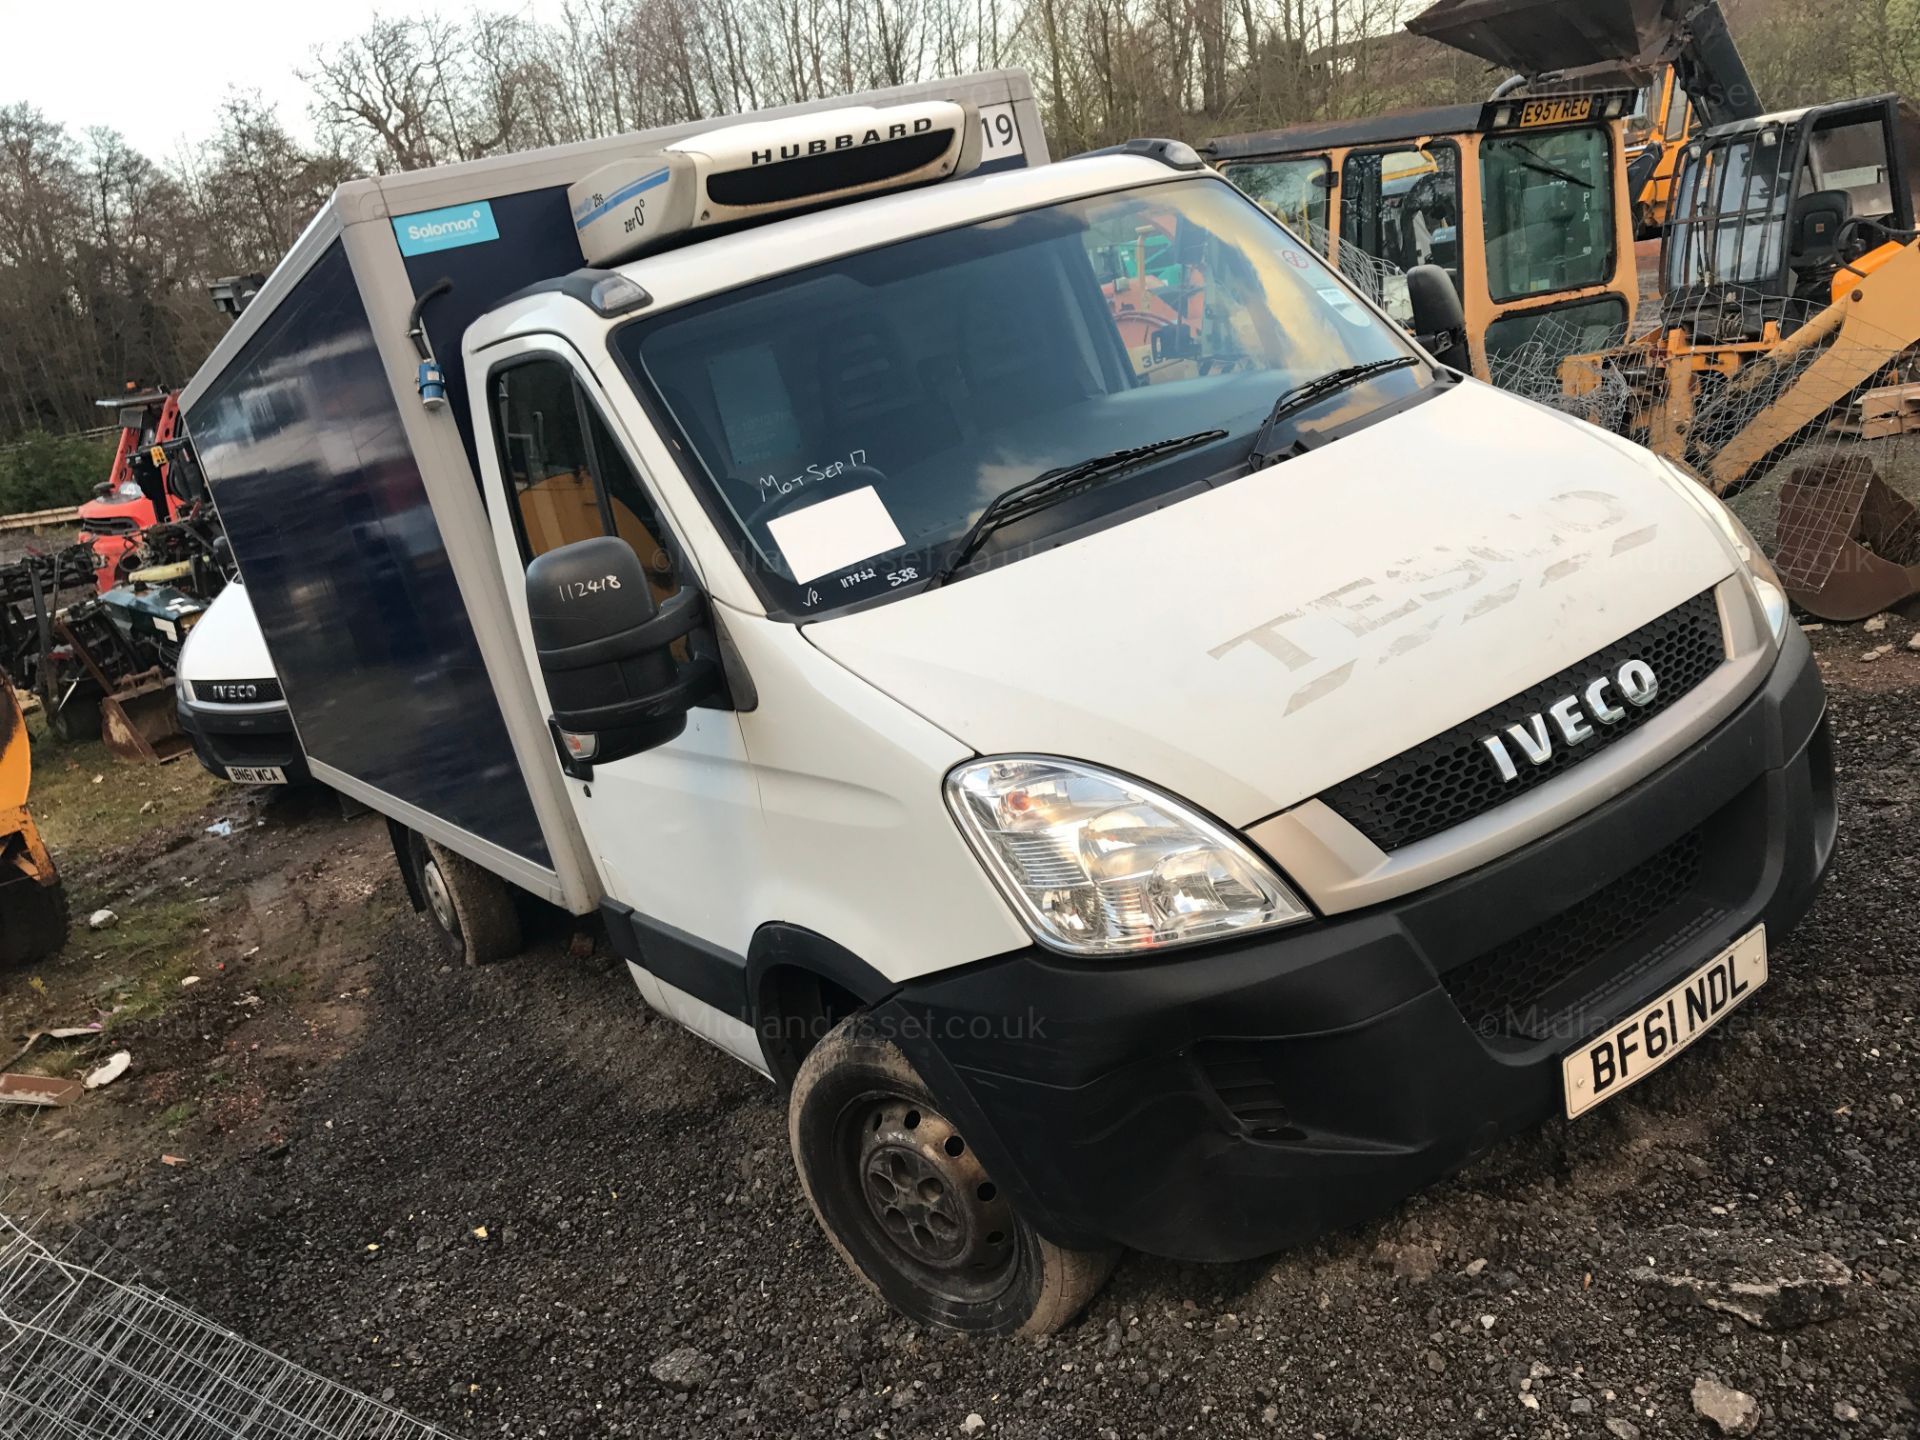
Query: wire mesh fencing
point(83, 1354)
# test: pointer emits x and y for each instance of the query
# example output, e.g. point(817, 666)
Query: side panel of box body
point(453, 490)
point(336, 528)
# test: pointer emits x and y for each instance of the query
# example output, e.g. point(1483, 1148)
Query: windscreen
point(1295, 192)
point(1729, 218)
point(1550, 219)
point(852, 420)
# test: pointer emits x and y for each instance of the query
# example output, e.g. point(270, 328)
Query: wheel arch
point(800, 985)
point(406, 854)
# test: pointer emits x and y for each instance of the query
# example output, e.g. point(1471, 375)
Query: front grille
point(1516, 988)
point(266, 749)
point(1451, 779)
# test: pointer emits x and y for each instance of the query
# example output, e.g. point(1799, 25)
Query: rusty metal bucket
point(1848, 545)
point(142, 721)
point(1532, 37)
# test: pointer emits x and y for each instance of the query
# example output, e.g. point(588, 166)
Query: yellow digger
point(33, 902)
point(1790, 283)
point(1791, 279)
point(1657, 134)
point(1520, 201)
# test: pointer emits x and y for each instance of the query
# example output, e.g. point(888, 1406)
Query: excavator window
point(1403, 206)
point(1677, 114)
point(1730, 220)
point(1853, 159)
point(1549, 215)
point(1294, 192)
point(1550, 219)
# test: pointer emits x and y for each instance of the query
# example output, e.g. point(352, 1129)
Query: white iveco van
point(229, 699)
point(1140, 750)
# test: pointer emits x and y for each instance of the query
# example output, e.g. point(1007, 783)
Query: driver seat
point(1818, 219)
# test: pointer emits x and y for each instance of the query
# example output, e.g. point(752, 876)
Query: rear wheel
point(909, 1205)
point(471, 907)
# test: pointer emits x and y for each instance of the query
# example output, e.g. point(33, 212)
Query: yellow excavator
point(1657, 134)
point(33, 902)
point(1790, 283)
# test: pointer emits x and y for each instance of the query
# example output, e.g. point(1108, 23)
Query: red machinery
point(136, 494)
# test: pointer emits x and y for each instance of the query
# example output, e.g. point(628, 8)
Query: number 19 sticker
point(1000, 131)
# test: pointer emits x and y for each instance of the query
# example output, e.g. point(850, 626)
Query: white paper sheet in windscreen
point(835, 534)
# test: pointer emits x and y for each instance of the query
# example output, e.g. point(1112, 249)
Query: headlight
point(129, 490)
point(1766, 580)
point(1101, 865)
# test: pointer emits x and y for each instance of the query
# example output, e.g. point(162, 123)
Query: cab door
point(670, 827)
point(1399, 208)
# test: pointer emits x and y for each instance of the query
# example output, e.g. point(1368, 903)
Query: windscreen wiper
point(1552, 171)
point(1292, 402)
point(1056, 485)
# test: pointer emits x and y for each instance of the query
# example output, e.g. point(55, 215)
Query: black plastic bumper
point(1245, 1098)
point(253, 738)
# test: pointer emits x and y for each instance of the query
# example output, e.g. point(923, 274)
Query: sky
point(158, 72)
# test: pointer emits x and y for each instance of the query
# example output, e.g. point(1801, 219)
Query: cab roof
point(1340, 134)
point(1879, 104)
point(743, 257)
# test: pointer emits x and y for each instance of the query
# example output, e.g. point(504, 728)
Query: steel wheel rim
point(439, 898)
point(926, 1202)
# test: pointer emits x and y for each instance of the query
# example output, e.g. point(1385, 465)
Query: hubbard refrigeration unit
point(1025, 655)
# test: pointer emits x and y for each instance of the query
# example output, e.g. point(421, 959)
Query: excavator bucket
point(1848, 545)
point(1603, 42)
point(142, 722)
point(1535, 37)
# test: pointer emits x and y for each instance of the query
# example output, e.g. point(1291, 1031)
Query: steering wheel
point(852, 478)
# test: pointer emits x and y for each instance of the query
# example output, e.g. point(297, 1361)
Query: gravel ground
point(636, 1200)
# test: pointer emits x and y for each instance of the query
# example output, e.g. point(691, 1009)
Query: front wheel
point(909, 1205)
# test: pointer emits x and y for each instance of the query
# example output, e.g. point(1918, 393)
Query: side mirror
point(1439, 319)
point(606, 651)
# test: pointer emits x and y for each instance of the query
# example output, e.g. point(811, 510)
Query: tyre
point(33, 921)
point(77, 721)
point(909, 1206)
point(471, 907)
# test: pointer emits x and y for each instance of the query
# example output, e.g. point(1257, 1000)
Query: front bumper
point(1247, 1097)
point(250, 735)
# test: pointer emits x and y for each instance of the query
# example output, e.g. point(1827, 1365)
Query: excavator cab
point(1778, 218)
point(1521, 201)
